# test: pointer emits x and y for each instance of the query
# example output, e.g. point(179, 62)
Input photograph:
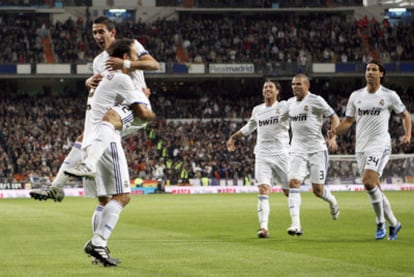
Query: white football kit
point(129, 124)
point(272, 144)
point(372, 112)
point(309, 153)
point(112, 176)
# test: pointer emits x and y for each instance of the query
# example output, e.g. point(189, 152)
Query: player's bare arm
point(141, 111)
point(231, 142)
point(406, 121)
point(146, 62)
point(332, 145)
point(345, 124)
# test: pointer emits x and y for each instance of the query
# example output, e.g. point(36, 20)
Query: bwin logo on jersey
point(373, 111)
point(299, 117)
point(272, 120)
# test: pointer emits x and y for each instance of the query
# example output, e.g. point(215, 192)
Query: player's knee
point(103, 200)
point(370, 180)
point(123, 199)
point(317, 190)
point(264, 189)
point(112, 117)
point(294, 184)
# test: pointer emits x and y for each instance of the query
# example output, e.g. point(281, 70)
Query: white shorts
point(375, 161)
point(314, 165)
point(272, 170)
point(112, 175)
point(130, 124)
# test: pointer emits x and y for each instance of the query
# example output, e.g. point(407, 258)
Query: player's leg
point(263, 173)
point(112, 179)
point(318, 169)
point(116, 119)
point(395, 225)
point(371, 165)
point(55, 190)
point(297, 172)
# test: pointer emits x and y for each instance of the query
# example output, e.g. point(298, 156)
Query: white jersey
point(137, 75)
point(272, 124)
point(115, 88)
point(372, 113)
point(306, 119)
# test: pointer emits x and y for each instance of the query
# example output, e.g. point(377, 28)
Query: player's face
point(270, 91)
point(300, 87)
point(102, 35)
point(373, 74)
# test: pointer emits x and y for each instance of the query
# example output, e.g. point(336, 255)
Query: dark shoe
point(295, 231)
point(381, 231)
point(394, 231)
point(101, 254)
point(263, 233)
point(46, 192)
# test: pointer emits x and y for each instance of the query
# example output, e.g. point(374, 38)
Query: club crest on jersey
point(306, 108)
point(381, 102)
point(110, 76)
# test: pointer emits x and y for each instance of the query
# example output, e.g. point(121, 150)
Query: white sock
point(376, 198)
point(263, 211)
point(294, 201)
point(73, 158)
point(104, 135)
point(97, 217)
point(110, 216)
point(329, 197)
point(389, 215)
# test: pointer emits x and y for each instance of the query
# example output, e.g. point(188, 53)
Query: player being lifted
point(104, 32)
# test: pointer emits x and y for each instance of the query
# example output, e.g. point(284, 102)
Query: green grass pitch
point(206, 235)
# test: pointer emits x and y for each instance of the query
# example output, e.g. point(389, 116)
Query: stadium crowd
point(292, 38)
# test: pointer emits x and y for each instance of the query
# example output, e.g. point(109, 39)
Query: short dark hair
point(110, 25)
point(277, 84)
point(119, 47)
point(380, 66)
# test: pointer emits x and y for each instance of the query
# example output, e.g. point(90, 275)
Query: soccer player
point(112, 176)
point(104, 32)
point(309, 153)
point(370, 107)
point(270, 119)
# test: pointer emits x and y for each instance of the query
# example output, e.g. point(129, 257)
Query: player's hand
point(93, 81)
point(114, 63)
point(231, 146)
point(331, 134)
point(332, 145)
point(147, 92)
point(405, 139)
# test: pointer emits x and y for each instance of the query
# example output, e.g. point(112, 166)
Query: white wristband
point(127, 64)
